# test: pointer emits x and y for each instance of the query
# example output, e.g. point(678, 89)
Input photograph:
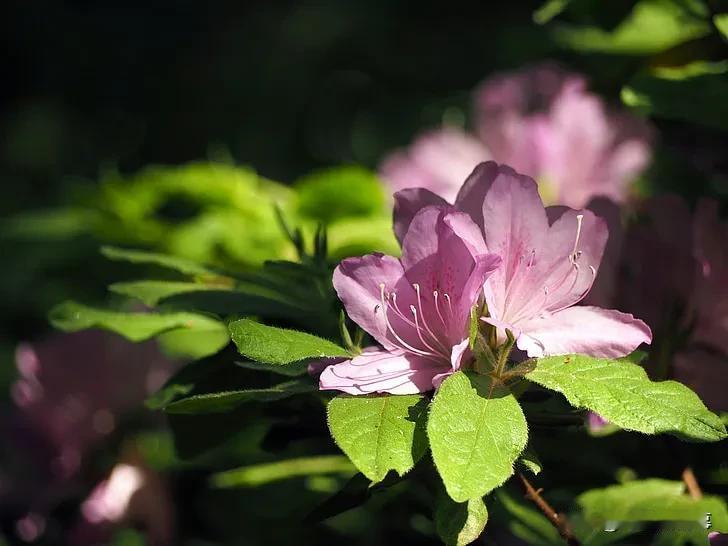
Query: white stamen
point(419, 330)
point(437, 307)
point(404, 344)
point(575, 254)
point(424, 320)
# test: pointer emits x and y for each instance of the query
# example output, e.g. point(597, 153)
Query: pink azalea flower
point(132, 494)
point(550, 261)
point(417, 307)
point(543, 122)
point(711, 285)
point(438, 160)
point(72, 388)
point(676, 278)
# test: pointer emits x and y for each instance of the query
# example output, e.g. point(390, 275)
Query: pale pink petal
point(358, 281)
point(515, 228)
point(390, 372)
point(472, 194)
point(407, 203)
point(570, 258)
point(439, 161)
point(460, 353)
point(444, 253)
point(592, 331)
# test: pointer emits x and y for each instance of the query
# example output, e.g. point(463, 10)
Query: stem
point(557, 520)
point(691, 483)
point(505, 351)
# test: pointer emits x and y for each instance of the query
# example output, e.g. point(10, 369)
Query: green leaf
point(379, 433)
point(651, 27)
point(340, 192)
point(193, 344)
point(357, 236)
point(525, 521)
point(280, 346)
point(72, 317)
point(548, 10)
point(175, 263)
point(477, 430)
point(529, 460)
point(152, 292)
point(622, 393)
point(693, 93)
point(651, 500)
point(261, 474)
point(459, 524)
point(218, 402)
point(291, 370)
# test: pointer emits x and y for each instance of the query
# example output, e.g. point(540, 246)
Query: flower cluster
point(543, 122)
point(496, 248)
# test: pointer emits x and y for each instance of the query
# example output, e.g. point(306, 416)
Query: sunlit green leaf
point(340, 192)
point(476, 430)
point(152, 292)
point(459, 524)
point(188, 267)
point(622, 393)
point(279, 346)
point(651, 27)
point(652, 500)
point(72, 317)
point(261, 474)
point(693, 93)
point(379, 433)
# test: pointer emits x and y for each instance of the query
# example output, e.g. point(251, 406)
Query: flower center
point(557, 294)
point(420, 329)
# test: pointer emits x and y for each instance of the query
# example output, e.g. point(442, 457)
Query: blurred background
point(118, 121)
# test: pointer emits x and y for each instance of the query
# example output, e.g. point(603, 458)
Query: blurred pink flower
point(543, 122)
point(417, 308)
point(73, 387)
point(675, 275)
point(438, 160)
point(550, 261)
point(595, 422)
point(710, 298)
point(132, 494)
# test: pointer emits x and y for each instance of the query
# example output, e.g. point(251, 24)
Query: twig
point(557, 520)
point(692, 483)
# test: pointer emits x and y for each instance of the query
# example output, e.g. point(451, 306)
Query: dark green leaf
point(217, 402)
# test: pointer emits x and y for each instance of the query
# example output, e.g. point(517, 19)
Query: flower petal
point(382, 371)
point(357, 282)
point(444, 252)
point(438, 160)
point(592, 331)
point(407, 203)
point(570, 258)
point(472, 194)
point(515, 228)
